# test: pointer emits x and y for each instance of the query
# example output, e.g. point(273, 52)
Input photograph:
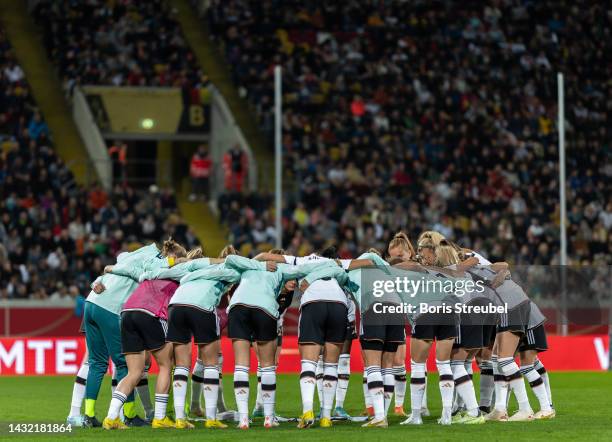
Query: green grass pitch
point(582, 401)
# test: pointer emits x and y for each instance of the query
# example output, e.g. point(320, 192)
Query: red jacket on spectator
point(98, 198)
point(200, 166)
point(120, 151)
point(358, 107)
point(235, 165)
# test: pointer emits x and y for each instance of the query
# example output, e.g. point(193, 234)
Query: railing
point(92, 138)
point(224, 134)
point(161, 172)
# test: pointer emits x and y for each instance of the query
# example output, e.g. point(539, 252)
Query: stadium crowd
point(424, 114)
point(56, 236)
point(123, 43)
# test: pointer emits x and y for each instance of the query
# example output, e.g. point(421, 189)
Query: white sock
point(241, 390)
point(417, 387)
point(319, 377)
point(258, 400)
point(388, 387)
point(78, 390)
point(114, 381)
point(511, 371)
point(344, 372)
point(307, 384)
point(464, 387)
point(469, 367)
point(399, 373)
point(424, 401)
point(377, 391)
point(210, 386)
point(268, 390)
point(446, 383)
point(197, 377)
point(457, 399)
point(486, 383)
point(117, 401)
point(330, 383)
point(544, 374)
point(537, 386)
point(501, 386)
point(366, 392)
point(142, 389)
point(161, 403)
point(181, 375)
point(114, 384)
point(221, 400)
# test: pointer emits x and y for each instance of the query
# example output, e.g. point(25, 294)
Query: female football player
point(253, 316)
point(102, 323)
point(533, 343)
point(143, 329)
point(192, 314)
point(322, 325)
point(401, 247)
point(426, 328)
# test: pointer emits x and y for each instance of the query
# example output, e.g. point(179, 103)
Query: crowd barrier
point(39, 318)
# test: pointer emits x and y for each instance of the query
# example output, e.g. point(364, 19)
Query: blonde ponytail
point(446, 255)
point(402, 241)
point(195, 253)
point(227, 250)
point(435, 237)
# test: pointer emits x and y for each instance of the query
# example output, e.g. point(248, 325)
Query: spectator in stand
point(419, 114)
point(13, 72)
point(235, 164)
point(200, 170)
point(120, 43)
point(97, 197)
point(53, 233)
point(37, 127)
point(118, 153)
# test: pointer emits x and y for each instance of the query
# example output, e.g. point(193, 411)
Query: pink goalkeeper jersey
point(152, 297)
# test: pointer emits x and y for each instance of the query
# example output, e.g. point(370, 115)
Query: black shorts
point(435, 326)
point(515, 320)
point(470, 336)
point(488, 335)
point(251, 324)
point(141, 331)
point(185, 321)
point(534, 339)
point(322, 322)
point(382, 337)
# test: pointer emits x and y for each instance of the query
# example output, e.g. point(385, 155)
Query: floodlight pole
point(278, 156)
point(562, 201)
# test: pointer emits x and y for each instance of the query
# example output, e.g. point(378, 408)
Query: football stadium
point(305, 219)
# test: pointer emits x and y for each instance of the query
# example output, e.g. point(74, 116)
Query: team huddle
point(154, 303)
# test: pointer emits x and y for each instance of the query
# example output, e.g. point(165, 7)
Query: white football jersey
point(320, 290)
point(481, 259)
